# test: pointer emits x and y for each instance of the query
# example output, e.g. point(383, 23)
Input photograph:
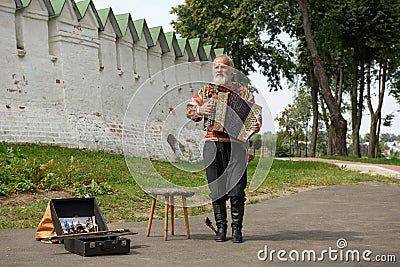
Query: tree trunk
point(372, 137)
point(338, 123)
point(357, 105)
point(360, 102)
point(354, 109)
point(327, 126)
point(378, 132)
point(375, 116)
point(314, 101)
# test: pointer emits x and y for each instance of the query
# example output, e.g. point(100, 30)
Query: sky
point(156, 13)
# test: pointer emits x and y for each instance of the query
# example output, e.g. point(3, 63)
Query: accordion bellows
point(233, 115)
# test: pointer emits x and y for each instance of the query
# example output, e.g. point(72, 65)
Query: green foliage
point(386, 137)
point(240, 27)
point(282, 149)
point(293, 121)
point(40, 170)
point(269, 140)
point(395, 92)
point(257, 141)
point(174, 174)
point(20, 173)
point(13, 170)
point(394, 156)
point(94, 188)
point(349, 35)
point(387, 121)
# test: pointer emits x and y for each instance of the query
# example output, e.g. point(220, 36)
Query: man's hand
point(207, 109)
point(255, 127)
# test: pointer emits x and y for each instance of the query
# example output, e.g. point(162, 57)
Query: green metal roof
point(172, 43)
point(125, 22)
point(218, 51)
point(22, 3)
point(207, 50)
point(25, 3)
point(106, 14)
point(103, 15)
point(58, 6)
point(194, 45)
point(169, 36)
point(198, 49)
point(82, 7)
point(139, 24)
point(142, 29)
point(158, 36)
point(182, 44)
point(155, 33)
point(122, 20)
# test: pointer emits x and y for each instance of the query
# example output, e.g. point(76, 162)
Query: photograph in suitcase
point(73, 216)
point(76, 225)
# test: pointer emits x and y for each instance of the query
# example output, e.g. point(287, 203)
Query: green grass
point(122, 199)
point(390, 161)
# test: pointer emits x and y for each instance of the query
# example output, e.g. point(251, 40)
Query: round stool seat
point(169, 192)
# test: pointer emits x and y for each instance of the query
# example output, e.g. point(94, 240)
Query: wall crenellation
point(68, 75)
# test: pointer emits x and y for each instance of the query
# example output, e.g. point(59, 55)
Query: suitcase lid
point(76, 214)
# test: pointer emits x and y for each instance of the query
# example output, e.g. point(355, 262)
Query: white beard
point(220, 79)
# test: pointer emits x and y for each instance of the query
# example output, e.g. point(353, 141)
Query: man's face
point(222, 71)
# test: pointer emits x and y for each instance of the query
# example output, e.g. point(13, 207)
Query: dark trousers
point(226, 170)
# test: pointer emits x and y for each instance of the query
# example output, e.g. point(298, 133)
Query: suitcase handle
point(108, 246)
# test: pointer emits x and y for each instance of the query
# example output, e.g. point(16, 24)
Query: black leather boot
point(220, 221)
point(237, 213)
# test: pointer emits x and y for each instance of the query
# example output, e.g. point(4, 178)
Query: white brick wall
point(70, 85)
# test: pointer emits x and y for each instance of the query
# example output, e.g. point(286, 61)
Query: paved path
point(366, 216)
point(382, 169)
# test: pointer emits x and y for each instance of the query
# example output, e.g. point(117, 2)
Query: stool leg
point(185, 212)
point(172, 214)
point(153, 206)
point(166, 218)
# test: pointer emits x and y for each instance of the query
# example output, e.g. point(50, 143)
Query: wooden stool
point(169, 194)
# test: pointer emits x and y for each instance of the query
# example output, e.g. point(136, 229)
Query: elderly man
point(225, 158)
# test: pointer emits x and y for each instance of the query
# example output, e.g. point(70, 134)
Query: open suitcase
point(74, 215)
